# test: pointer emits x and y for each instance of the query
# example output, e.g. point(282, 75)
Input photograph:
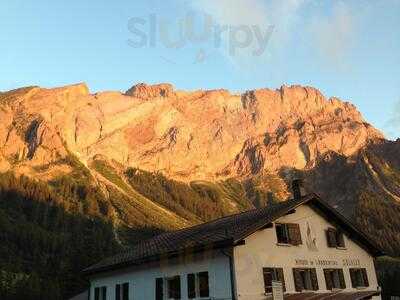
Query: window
point(359, 278)
point(305, 279)
point(100, 293)
point(273, 274)
point(334, 279)
point(122, 291)
point(174, 287)
point(288, 234)
point(335, 238)
point(198, 285)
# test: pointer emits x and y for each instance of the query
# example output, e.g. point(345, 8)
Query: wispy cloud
point(281, 16)
point(335, 34)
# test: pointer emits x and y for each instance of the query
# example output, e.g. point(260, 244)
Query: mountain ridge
point(215, 134)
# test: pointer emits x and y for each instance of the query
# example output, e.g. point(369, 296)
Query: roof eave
point(169, 255)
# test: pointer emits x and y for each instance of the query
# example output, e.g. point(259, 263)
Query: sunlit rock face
point(187, 135)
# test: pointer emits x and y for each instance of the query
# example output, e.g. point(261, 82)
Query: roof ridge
point(274, 205)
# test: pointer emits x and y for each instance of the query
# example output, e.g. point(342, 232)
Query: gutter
point(232, 273)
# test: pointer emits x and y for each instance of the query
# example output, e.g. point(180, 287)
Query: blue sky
point(349, 49)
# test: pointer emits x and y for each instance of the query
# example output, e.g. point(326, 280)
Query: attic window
point(288, 234)
point(335, 238)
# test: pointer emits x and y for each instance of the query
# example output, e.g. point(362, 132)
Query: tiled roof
point(228, 230)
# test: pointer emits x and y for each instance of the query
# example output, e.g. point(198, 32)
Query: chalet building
point(298, 249)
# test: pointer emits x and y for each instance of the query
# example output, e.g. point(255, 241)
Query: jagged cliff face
point(205, 135)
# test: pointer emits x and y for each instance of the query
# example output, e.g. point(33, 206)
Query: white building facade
point(309, 250)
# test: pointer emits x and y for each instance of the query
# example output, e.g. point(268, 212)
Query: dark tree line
point(46, 241)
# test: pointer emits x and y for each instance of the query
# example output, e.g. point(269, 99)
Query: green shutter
point(294, 234)
point(159, 289)
point(331, 237)
point(117, 292)
point(353, 277)
point(281, 277)
point(268, 277)
point(97, 293)
point(104, 292)
point(204, 288)
point(298, 282)
point(314, 279)
point(125, 291)
point(365, 277)
point(328, 279)
point(341, 278)
point(191, 284)
point(340, 239)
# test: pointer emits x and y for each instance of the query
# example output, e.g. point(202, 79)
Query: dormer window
point(288, 234)
point(335, 238)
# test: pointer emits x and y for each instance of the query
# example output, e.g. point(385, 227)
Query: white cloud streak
point(281, 15)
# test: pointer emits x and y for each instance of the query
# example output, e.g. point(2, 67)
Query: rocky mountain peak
point(145, 91)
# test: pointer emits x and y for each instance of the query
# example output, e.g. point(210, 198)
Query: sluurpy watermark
point(153, 31)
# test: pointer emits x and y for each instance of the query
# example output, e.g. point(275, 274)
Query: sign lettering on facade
point(350, 262)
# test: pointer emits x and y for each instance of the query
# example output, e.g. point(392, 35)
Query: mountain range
point(155, 158)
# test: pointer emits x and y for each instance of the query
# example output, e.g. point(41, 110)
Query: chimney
point(296, 188)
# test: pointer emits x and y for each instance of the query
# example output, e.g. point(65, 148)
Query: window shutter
point(281, 277)
point(353, 277)
point(314, 279)
point(204, 288)
point(341, 278)
point(117, 292)
point(331, 237)
point(159, 289)
point(328, 279)
point(365, 277)
point(191, 286)
point(97, 293)
point(298, 283)
point(178, 287)
point(340, 239)
point(104, 292)
point(125, 291)
point(294, 234)
point(268, 277)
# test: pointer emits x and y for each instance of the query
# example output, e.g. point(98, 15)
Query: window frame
point(311, 274)
point(337, 241)
point(363, 276)
point(277, 275)
point(285, 231)
point(167, 293)
point(340, 277)
point(292, 234)
point(197, 292)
